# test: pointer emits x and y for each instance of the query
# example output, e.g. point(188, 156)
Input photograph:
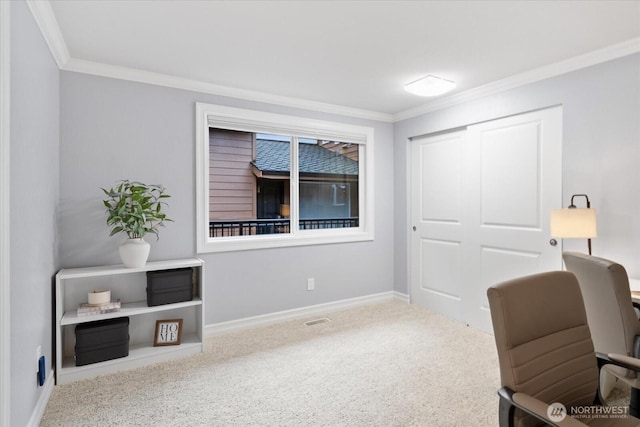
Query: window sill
point(231, 244)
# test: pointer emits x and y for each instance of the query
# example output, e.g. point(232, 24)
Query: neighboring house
point(250, 184)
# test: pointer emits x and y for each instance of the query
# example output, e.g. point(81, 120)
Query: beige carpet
point(388, 364)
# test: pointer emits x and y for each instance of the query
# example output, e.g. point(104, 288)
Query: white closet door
point(440, 224)
point(492, 188)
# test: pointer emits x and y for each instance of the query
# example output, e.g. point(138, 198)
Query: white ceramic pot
point(134, 252)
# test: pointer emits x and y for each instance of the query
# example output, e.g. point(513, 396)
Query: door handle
point(553, 242)
point(414, 228)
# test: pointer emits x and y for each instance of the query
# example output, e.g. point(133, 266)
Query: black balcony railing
point(313, 224)
point(252, 227)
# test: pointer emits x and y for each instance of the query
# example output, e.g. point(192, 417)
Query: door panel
point(441, 272)
point(498, 265)
point(514, 188)
point(487, 192)
point(441, 277)
point(437, 214)
point(440, 179)
point(511, 173)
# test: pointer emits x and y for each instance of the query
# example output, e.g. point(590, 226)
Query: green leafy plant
point(135, 208)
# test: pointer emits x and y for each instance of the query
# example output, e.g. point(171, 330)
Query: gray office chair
point(545, 352)
point(611, 316)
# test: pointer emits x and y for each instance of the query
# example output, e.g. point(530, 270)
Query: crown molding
point(46, 21)
point(578, 62)
point(142, 76)
point(44, 17)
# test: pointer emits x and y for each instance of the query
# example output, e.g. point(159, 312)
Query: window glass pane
point(248, 183)
point(249, 194)
point(328, 191)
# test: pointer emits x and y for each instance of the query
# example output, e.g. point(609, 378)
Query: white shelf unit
point(128, 285)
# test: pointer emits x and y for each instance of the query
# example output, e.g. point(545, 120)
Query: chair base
point(634, 403)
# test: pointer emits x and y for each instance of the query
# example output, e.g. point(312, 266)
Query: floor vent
point(317, 321)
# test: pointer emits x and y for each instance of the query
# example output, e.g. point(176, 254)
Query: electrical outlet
point(311, 284)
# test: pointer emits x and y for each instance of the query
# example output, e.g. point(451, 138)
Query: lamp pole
point(572, 206)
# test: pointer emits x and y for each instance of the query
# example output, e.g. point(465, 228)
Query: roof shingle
point(273, 157)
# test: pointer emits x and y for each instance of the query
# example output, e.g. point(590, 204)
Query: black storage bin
point(169, 286)
point(102, 340)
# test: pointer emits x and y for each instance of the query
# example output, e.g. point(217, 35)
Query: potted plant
point(135, 208)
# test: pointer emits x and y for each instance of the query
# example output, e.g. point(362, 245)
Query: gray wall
point(34, 196)
point(113, 129)
point(601, 151)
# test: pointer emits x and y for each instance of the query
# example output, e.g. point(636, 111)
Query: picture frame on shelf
point(168, 332)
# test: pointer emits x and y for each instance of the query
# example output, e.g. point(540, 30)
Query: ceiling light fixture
point(430, 86)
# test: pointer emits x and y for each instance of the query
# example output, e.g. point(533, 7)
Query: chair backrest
point(543, 339)
point(607, 299)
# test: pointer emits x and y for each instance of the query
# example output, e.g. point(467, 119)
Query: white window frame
point(238, 119)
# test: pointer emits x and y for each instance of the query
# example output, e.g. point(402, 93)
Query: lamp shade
point(284, 211)
point(574, 223)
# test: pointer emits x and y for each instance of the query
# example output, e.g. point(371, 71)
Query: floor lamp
point(575, 223)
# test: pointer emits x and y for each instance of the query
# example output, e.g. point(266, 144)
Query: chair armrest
point(623, 361)
point(532, 406)
point(633, 362)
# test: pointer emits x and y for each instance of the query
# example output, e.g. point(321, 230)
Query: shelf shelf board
point(76, 273)
point(127, 309)
point(139, 355)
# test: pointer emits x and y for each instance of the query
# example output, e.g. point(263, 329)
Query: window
point(269, 180)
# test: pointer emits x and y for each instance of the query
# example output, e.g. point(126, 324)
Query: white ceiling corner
point(46, 20)
point(142, 76)
point(592, 58)
point(333, 56)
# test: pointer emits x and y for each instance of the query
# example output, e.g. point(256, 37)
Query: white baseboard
point(38, 411)
point(399, 296)
point(268, 319)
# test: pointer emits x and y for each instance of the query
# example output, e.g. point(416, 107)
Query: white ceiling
point(355, 54)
